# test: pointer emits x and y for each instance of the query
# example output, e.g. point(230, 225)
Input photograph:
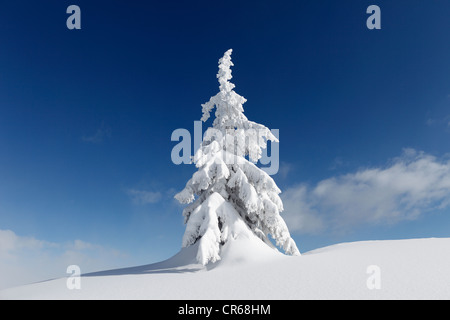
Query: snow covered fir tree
point(229, 197)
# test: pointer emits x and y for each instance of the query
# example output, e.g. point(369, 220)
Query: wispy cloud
point(285, 169)
point(438, 122)
point(410, 186)
point(143, 197)
point(99, 136)
point(27, 259)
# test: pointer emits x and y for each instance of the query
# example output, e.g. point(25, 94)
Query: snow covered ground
point(394, 269)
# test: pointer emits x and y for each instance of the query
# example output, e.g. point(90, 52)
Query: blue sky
point(86, 118)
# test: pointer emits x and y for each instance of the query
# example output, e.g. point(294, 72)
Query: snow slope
point(408, 269)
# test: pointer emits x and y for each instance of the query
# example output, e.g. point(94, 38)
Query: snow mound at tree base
point(394, 269)
point(215, 227)
point(245, 249)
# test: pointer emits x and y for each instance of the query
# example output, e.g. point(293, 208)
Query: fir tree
point(229, 191)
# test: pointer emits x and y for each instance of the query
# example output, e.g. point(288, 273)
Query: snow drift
point(408, 269)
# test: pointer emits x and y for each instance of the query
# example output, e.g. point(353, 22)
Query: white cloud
point(412, 185)
point(443, 122)
point(285, 169)
point(299, 212)
point(142, 197)
point(9, 242)
point(27, 259)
